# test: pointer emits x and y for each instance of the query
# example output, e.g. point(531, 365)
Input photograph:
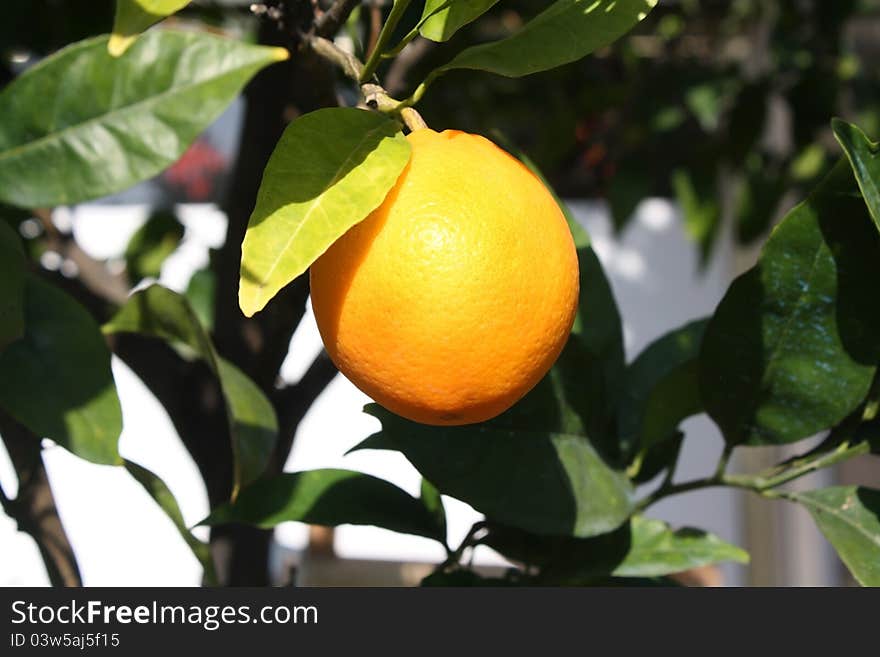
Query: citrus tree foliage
point(791, 351)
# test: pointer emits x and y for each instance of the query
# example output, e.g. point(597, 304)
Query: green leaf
point(563, 33)
point(161, 494)
point(11, 286)
point(658, 550)
point(135, 16)
point(328, 497)
point(200, 293)
point(864, 157)
point(153, 242)
point(700, 208)
point(849, 517)
point(792, 348)
point(443, 18)
point(662, 388)
point(433, 502)
point(540, 481)
point(161, 313)
point(330, 169)
point(641, 548)
point(82, 124)
point(56, 380)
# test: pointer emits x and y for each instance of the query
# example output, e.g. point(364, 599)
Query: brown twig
point(34, 507)
point(334, 18)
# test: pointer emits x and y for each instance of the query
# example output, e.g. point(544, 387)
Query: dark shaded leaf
point(161, 313)
point(466, 578)
point(641, 548)
point(540, 481)
point(166, 501)
point(662, 388)
point(433, 502)
point(328, 497)
point(56, 380)
point(792, 348)
point(11, 286)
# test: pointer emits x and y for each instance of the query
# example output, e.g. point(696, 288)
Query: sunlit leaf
point(443, 18)
point(864, 157)
point(563, 33)
point(56, 380)
point(330, 169)
point(82, 124)
point(849, 517)
point(135, 16)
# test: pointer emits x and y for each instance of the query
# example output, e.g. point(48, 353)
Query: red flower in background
point(195, 173)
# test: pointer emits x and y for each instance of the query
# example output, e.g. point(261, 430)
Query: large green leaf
point(849, 517)
point(56, 380)
point(330, 169)
point(792, 348)
point(11, 286)
point(443, 18)
point(864, 157)
point(564, 32)
point(662, 388)
point(329, 497)
point(135, 16)
point(539, 481)
point(82, 124)
point(159, 312)
point(641, 548)
point(159, 491)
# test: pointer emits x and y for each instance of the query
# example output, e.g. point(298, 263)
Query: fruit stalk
point(374, 94)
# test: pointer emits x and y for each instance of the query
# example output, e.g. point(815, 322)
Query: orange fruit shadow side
point(451, 300)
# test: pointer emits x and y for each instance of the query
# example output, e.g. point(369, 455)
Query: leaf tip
point(119, 43)
point(280, 54)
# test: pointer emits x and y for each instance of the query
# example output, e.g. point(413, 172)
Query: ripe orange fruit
point(451, 300)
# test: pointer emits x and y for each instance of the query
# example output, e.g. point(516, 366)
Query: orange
point(451, 300)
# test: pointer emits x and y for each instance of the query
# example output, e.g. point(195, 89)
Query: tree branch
point(294, 401)
point(34, 508)
point(335, 17)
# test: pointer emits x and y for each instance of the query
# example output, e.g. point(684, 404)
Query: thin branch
point(397, 11)
point(335, 17)
point(375, 26)
point(295, 400)
point(34, 508)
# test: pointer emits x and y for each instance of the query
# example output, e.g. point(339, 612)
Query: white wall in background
point(121, 538)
